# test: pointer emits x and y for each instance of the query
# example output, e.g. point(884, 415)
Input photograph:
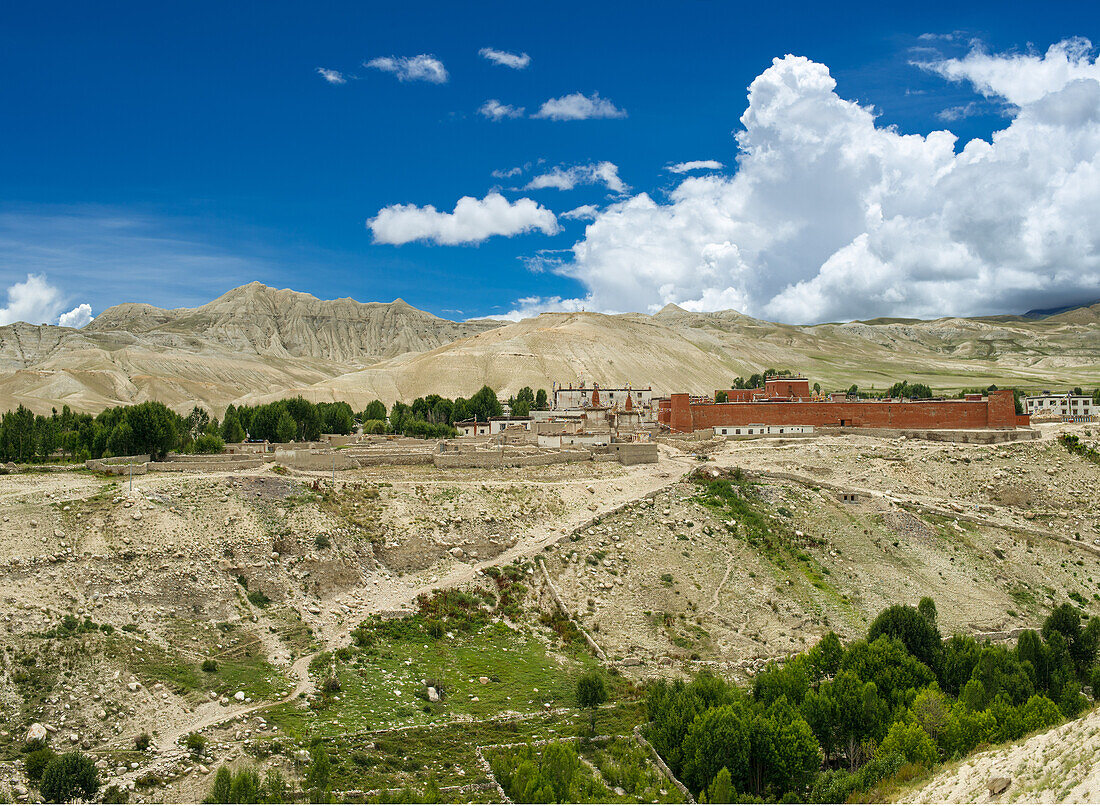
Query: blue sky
point(166, 153)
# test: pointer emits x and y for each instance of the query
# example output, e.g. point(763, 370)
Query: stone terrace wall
point(206, 463)
point(966, 436)
point(496, 459)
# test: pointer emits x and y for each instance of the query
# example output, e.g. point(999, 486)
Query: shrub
point(196, 743)
point(210, 665)
point(142, 742)
point(259, 598)
point(223, 783)
point(36, 762)
point(69, 777)
point(910, 742)
point(113, 794)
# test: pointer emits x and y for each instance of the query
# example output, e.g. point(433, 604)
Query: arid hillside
point(258, 343)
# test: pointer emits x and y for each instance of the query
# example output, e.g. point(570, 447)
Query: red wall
point(787, 387)
point(997, 411)
point(739, 395)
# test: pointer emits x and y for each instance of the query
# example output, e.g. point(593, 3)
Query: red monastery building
point(788, 401)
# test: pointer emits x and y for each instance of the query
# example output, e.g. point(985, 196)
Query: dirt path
point(722, 584)
point(299, 669)
point(402, 593)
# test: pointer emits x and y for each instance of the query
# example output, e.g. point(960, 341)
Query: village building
point(788, 402)
point(472, 428)
point(500, 424)
point(1066, 407)
point(617, 398)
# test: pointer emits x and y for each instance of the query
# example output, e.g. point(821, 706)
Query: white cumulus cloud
point(1021, 78)
point(579, 106)
point(37, 302)
point(77, 317)
point(472, 221)
point(695, 165)
point(331, 76)
point(495, 110)
point(517, 61)
point(411, 68)
point(830, 216)
point(586, 212)
point(559, 178)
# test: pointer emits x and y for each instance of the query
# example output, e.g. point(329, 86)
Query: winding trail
point(401, 593)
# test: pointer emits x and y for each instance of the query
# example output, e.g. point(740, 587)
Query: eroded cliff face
point(257, 343)
point(270, 322)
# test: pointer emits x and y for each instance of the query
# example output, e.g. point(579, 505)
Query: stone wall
point(207, 464)
point(634, 453)
point(976, 436)
point(495, 458)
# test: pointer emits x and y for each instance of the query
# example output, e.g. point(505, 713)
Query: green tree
point(232, 431)
point(931, 710)
point(825, 657)
point(927, 609)
point(121, 441)
point(958, 659)
point(245, 787)
point(208, 443)
point(718, 738)
point(775, 680)
point(721, 397)
point(910, 742)
point(68, 778)
point(223, 783)
point(820, 712)
point(917, 633)
point(286, 430)
point(318, 774)
point(591, 694)
point(1000, 672)
point(721, 788)
point(375, 410)
point(541, 402)
point(484, 404)
point(560, 763)
point(785, 753)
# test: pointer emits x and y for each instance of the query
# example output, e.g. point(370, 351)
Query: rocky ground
point(113, 598)
point(997, 535)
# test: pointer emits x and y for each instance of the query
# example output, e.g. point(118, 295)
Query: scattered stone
point(999, 785)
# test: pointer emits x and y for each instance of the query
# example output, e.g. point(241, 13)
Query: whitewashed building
point(760, 430)
point(1068, 406)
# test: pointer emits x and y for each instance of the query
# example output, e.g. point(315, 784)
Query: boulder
point(239, 696)
point(433, 695)
point(36, 732)
point(999, 785)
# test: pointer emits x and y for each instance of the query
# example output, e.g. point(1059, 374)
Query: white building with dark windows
point(583, 396)
point(1067, 407)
